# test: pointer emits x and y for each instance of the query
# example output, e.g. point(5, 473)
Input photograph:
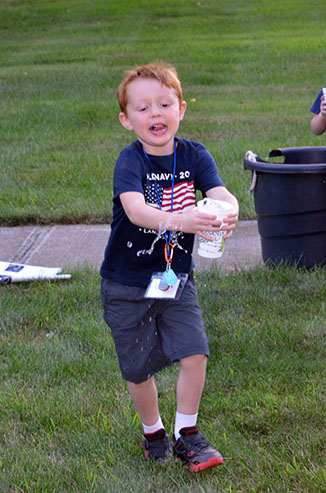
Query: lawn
point(67, 423)
point(250, 72)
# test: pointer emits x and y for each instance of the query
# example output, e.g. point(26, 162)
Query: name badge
point(160, 288)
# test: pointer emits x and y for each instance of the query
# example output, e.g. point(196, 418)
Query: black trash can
point(290, 202)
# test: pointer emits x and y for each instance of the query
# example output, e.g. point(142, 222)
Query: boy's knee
point(146, 383)
point(194, 361)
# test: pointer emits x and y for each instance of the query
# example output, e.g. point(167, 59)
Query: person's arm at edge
point(318, 124)
point(318, 121)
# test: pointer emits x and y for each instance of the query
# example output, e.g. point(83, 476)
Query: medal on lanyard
point(169, 277)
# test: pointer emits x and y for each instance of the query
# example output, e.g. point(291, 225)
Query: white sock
point(153, 428)
point(183, 421)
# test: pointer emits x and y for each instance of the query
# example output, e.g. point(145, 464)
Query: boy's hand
point(191, 221)
point(194, 221)
point(231, 222)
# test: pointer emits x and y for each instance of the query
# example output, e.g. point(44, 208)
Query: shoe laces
point(193, 439)
point(158, 443)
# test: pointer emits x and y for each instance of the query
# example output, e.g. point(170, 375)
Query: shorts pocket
point(120, 305)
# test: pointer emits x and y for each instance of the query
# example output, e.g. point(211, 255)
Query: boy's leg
point(191, 383)
point(156, 442)
point(132, 320)
point(189, 390)
point(189, 444)
point(145, 399)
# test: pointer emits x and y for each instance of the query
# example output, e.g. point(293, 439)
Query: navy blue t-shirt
point(316, 105)
point(133, 253)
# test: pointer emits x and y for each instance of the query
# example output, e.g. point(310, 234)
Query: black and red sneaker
point(157, 446)
point(194, 451)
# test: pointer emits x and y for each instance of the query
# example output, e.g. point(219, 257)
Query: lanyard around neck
point(167, 241)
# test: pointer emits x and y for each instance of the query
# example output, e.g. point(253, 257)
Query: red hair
point(165, 74)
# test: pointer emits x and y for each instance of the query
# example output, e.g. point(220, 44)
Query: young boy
point(153, 228)
point(318, 121)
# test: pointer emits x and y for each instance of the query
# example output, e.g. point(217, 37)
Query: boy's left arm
point(222, 193)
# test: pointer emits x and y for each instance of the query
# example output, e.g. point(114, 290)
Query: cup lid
point(215, 205)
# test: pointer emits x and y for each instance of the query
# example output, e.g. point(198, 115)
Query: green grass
point(67, 423)
point(254, 69)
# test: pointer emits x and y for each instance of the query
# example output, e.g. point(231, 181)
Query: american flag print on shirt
point(184, 196)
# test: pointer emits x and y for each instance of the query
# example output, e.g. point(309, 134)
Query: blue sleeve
point(128, 172)
point(207, 175)
point(316, 106)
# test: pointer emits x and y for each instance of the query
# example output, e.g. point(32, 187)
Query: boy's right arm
point(146, 216)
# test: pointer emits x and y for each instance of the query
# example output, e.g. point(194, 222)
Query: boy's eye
point(141, 108)
point(165, 105)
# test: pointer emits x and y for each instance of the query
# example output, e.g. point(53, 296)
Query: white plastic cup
point(220, 209)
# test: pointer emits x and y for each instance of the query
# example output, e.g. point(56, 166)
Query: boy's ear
point(182, 110)
point(125, 122)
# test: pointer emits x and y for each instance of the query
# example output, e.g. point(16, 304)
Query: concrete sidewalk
point(72, 245)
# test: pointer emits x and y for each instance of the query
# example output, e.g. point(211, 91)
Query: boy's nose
point(156, 109)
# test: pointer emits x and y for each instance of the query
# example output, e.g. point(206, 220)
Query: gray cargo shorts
point(150, 334)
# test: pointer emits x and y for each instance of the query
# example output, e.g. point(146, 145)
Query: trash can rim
point(264, 167)
point(253, 162)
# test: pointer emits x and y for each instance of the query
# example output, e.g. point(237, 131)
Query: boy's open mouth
point(158, 128)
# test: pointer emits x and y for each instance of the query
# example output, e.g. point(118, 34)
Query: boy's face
point(153, 113)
